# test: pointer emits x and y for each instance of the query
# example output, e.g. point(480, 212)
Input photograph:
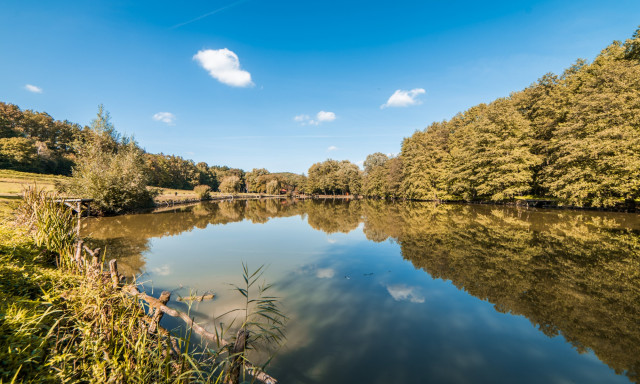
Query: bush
point(230, 184)
point(109, 169)
point(203, 191)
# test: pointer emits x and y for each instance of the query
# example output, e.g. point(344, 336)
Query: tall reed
point(51, 223)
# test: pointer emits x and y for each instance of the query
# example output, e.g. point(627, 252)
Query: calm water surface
point(408, 292)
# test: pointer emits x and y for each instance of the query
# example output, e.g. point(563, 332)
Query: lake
point(406, 292)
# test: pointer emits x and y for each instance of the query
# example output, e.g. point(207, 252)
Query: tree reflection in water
point(574, 273)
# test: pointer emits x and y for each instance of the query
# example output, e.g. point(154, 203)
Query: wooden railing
point(158, 307)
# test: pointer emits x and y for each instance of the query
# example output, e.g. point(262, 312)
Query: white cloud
point(321, 117)
point(402, 98)
point(402, 292)
point(33, 88)
point(224, 66)
point(325, 116)
point(332, 148)
point(165, 117)
point(301, 118)
point(325, 273)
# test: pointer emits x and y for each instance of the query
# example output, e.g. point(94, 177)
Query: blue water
point(371, 312)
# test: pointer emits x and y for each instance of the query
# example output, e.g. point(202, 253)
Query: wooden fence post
point(237, 354)
point(113, 270)
point(96, 258)
point(157, 314)
point(78, 256)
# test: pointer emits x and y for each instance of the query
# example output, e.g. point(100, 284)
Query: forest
point(573, 138)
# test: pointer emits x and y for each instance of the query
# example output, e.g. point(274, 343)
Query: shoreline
point(520, 203)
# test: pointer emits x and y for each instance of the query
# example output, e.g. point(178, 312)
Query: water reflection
point(569, 273)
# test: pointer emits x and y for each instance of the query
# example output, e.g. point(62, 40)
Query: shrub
point(109, 169)
point(203, 191)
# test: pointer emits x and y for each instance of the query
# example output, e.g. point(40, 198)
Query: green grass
point(62, 323)
point(59, 326)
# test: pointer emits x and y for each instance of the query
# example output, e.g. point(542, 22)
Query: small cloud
point(325, 273)
point(33, 88)
point(360, 163)
point(402, 98)
point(402, 292)
point(321, 117)
point(165, 117)
point(224, 66)
point(301, 118)
point(332, 148)
point(332, 241)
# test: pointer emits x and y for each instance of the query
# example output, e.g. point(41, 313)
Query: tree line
point(574, 138)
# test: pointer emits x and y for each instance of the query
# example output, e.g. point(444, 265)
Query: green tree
point(231, 184)
point(109, 169)
point(334, 177)
point(206, 175)
point(491, 154)
point(255, 180)
point(594, 154)
point(10, 118)
point(373, 160)
point(425, 162)
point(394, 173)
point(18, 153)
point(273, 187)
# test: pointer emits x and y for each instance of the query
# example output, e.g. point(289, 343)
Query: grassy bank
point(62, 320)
point(60, 326)
point(12, 183)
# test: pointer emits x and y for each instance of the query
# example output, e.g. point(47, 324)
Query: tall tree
point(491, 154)
point(109, 169)
point(594, 155)
point(374, 160)
point(334, 177)
point(425, 160)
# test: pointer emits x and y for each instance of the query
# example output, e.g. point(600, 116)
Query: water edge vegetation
point(64, 318)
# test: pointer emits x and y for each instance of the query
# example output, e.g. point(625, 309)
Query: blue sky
point(284, 84)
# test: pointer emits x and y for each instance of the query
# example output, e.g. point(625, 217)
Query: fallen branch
point(175, 313)
point(152, 301)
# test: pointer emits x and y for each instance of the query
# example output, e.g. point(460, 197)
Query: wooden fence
point(87, 259)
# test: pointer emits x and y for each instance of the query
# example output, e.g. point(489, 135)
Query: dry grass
point(12, 183)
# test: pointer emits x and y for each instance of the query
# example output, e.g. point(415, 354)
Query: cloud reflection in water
point(402, 292)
